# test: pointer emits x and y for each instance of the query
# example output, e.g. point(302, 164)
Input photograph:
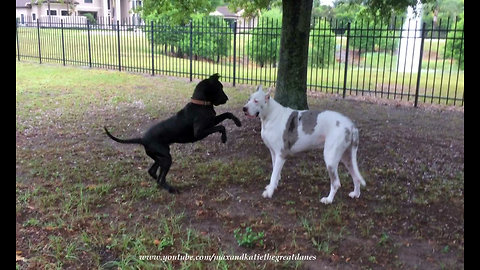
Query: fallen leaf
point(335, 258)
point(92, 186)
point(20, 258)
point(156, 242)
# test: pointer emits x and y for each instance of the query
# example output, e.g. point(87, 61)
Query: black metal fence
point(404, 59)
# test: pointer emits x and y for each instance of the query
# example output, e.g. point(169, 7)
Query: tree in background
point(455, 42)
point(291, 85)
point(170, 25)
point(369, 34)
point(176, 12)
point(442, 14)
point(442, 10)
point(291, 88)
point(346, 11)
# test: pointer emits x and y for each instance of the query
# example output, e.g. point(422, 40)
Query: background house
point(227, 14)
point(75, 10)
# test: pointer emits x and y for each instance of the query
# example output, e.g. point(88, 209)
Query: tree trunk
point(291, 89)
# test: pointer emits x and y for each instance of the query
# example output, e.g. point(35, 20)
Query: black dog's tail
point(132, 141)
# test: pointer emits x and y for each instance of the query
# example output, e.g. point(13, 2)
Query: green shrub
point(90, 18)
point(370, 34)
point(321, 45)
point(264, 43)
point(455, 44)
point(165, 33)
point(211, 38)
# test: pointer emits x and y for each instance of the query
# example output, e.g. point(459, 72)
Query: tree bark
point(291, 88)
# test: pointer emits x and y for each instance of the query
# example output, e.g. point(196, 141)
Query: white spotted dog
point(286, 132)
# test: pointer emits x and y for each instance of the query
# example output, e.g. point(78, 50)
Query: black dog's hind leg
point(153, 169)
point(161, 155)
point(165, 163)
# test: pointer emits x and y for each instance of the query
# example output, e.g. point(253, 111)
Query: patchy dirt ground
point(74, 185)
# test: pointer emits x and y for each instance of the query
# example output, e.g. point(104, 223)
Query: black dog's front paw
point(224, 137)
point(237, 121)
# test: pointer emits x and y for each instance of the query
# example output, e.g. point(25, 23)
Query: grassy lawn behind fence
point(373, 74)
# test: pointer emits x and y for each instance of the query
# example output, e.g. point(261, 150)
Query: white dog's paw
point(354, 194)
point(268, 193)
point(326, 200)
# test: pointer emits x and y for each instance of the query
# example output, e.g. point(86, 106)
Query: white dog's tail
point(354, 155)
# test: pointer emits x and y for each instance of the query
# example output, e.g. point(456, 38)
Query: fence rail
point(406, 60)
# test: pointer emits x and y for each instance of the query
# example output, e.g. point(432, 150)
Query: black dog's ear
point(215, 77)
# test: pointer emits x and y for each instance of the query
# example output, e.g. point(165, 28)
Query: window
point(22, 18)
point(64, 13)
point(52, 12)
point(88, 1)
point(34, 16)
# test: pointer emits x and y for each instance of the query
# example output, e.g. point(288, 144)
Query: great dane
point(286, 132)
point(194, 122)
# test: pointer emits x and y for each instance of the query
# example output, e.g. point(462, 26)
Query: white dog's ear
point(267, 96)
point(259, 88)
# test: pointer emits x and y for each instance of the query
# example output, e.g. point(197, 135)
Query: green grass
point(249, 238)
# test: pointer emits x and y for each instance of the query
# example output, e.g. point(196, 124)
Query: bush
point(211, 38)
point(90, 18)
point(165, 33)
point(321, 45)
point(455, 44)
point(264, 43)
point(369, 34)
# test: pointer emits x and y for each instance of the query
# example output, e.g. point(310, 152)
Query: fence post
point(118, 47)
point(63, 42)
point(89, 45)
point(152, 45)
point(191, 50)
point(420, 65)
point(38, 35)
point(346, 61)
point(18, 44)
point(234, 49)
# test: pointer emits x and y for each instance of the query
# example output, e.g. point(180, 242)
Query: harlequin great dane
point(286, 132)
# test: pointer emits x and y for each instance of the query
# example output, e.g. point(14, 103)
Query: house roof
point(225, 12)
point(22, 3)
point(28, 3)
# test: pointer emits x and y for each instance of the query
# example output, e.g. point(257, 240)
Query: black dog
point(194, 122)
